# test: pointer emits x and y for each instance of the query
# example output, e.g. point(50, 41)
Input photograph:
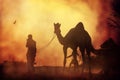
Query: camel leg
point(65, 55)
point(89, 62)
point(75, 58)
point(83, 59)
point(71, 64)
point(72, 61)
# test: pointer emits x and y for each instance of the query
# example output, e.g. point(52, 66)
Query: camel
point(110, 56)
point(76, 37)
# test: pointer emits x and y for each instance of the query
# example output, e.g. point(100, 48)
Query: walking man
point(31, 53)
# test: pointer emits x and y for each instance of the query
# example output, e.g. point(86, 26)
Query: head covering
point(30, 36)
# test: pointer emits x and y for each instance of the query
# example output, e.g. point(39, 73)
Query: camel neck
point(60, 38)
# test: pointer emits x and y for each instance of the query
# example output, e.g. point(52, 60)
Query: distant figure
point(31, 53)
point(74, 61)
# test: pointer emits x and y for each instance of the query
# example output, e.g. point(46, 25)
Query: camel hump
point(70, 34)
point(78, 36)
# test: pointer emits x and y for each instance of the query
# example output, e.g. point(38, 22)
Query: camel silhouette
point(109, 52)
point(76, 37)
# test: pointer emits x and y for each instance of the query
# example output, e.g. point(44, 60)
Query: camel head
point(57, 28)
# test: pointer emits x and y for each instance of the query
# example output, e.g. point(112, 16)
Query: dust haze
point(18, 18)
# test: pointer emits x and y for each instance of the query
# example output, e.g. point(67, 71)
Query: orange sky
point(37, 17)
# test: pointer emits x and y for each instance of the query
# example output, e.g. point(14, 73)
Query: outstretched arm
point(69, 56)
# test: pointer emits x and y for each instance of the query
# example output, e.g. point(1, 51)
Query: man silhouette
point(81, 38)
point(74, 60)
point(31, 53)
point(85, 44)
